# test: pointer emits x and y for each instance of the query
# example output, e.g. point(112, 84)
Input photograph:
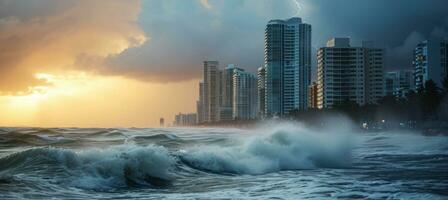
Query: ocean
point(271, 161)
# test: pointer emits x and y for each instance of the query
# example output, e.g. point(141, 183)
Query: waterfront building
point(288, 65)
point(261, 86)
point(226, 108)
point(312, 95)
point(244, 95)
point(348, 73)
point(188, 119)
point(430, 62)
point(162, 122)
point(200, 105)
point(211, 91)
point(399, 83)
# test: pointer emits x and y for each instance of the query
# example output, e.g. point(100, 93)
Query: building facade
point(226, 110)
point(348, 73)
point(211, 91)
point(244, 95)
point(261, 85)
point(200, 105)
point(188, 119)
point(430, 62)
point(312, 96)
point(287, 65)
point(399, 83)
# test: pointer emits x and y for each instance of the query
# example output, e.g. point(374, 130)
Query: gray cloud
point(183, 33)
point(87, 35)
point(44, 36)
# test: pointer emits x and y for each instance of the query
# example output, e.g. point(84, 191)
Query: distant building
point(244, 95)
point(200, 104)
point(399, 83)
point(162, 122)
point(312, 95)
point(261, 85)
point(189, 119)
point(226, 110)
point(211, 91)
point(349, 73)
point(430, 62)
point(288, 65)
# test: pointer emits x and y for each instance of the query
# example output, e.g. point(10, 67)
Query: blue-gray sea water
point(283, 161)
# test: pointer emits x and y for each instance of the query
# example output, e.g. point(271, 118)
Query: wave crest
point(285, 147)
point(120, 166)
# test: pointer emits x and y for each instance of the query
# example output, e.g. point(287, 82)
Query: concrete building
point(200, 104)
point(162, 122)
point(226, 107)
point(261, 85)
point(181, 119)
point(430, 62)
point(349, 73)
point(312, 95)
point(399, 83)
point(244, 95)
point(211, 91)
point(374, 72)
point(288, 65)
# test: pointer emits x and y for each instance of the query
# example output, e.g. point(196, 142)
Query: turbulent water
point(274, 161)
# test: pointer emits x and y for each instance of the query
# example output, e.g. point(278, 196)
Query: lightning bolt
point(298, 7)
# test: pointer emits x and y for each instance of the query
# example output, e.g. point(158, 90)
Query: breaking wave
point(265, 150)
point(285, 147)
point(120, 166)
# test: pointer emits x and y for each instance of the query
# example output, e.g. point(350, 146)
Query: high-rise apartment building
point(288, 65)
point(211, 91)
point(399, 83)
point(226, 110)
point(349, 73)
point(200, 105)
point(374, 72)
point(188, 119)
point(430, 62)
point(261, 85)
point(312, 95)
point(244, 95)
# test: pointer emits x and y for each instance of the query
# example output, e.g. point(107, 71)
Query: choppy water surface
point(283, 161)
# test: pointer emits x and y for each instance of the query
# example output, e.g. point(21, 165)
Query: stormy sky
point(166, 41)
point(127, 63)
point(183, 33)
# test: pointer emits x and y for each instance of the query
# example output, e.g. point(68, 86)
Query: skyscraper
point(399, 83)
point(349, 73)
point(227, 93)
point(182, 119)
point(244, 95)
point(211, 91)
point(312, 95)
point(200, 104)
point(374, 72)
point(430, 62)
point(288, 65)
point(261, 91)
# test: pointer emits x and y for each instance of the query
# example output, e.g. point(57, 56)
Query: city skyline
point(64, 60)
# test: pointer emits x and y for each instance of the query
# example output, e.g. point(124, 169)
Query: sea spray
point(285, 146)
point(118, 166)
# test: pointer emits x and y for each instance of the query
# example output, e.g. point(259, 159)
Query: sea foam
point(114, 167)
point(284, 146)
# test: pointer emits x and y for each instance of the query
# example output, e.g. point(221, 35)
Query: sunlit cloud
point(34, 42)
point(206, 4)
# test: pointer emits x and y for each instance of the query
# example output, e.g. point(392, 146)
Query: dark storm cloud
point(183, 33)
point(394, 25)
point(105, 36)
